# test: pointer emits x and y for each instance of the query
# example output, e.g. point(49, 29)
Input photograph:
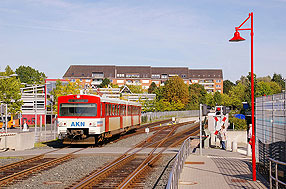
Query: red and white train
point(87, 119)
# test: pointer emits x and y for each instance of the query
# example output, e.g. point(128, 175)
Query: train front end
point(79, 119)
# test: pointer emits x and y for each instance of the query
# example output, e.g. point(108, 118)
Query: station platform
point(217, 169)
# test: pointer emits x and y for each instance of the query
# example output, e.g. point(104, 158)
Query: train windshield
point(78, 109)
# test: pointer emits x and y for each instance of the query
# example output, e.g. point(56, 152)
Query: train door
point(121, 115)
point(107, 111)
point(131, 113)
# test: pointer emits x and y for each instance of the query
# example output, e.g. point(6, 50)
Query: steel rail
point(10, 178)
point(108, 168)
point(25, 161)
point(145, 165)
point(86, 182)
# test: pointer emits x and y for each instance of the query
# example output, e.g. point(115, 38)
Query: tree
point(243, 80)
point(8, 71)
point(10, 92)
point(227, 85)
point(210, 99)
point(217, 98)
point(152, 88)
point(248, 89)
point(135, 88)
point(275, 87)
point(176, 90)
point(104, 83)
point(197, 96)
point(30, 75)
point(278, 79)
point(265, 79)
point(237, 95)
point(62, 90)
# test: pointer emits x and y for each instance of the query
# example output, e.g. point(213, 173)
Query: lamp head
point(236, 37)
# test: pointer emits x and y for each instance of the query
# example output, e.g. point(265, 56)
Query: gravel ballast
point(8, 160)
point(73, 170)
point(65, 174)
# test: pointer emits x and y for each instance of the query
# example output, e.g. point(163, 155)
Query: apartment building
point(92, 75)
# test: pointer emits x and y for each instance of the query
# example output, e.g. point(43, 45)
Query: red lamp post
point(237, 38)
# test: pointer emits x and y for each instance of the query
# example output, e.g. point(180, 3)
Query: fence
point(151, 116)
point(270, 117)
point(178, 165)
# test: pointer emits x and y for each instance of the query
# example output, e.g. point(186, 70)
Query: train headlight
point(60, 123)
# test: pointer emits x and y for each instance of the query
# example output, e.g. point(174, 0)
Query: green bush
point(239, 124)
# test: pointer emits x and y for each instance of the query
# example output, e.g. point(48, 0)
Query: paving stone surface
point(217, 168)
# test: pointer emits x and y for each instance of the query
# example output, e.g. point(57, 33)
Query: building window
point(120, 75)
point(184, 75)
point(120, 81)
point(133, 75)
point(82, 74)
point(164, 76)
point(87, 80)
point(72, 80)
point(218, 90)
point(145, 81)
point(218, 81)
point(72, 73)
point(156, 76)
point(97, 74)
point(80, 80)
point(195, 81)
point(128, 81)
point(217, 86)
point(157, 82)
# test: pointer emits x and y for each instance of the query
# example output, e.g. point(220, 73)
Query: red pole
point(252, 104)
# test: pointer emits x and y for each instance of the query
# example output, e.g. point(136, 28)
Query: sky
point(51, 35)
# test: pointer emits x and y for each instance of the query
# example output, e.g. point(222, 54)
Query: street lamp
point(238, 38)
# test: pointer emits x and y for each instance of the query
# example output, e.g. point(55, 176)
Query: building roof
point(110, 71)
point(143, 71)
point(85, 71)
point(205, 73)
point(170, 70)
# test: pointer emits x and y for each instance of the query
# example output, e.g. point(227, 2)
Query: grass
point(39, 144)
point(9, 157)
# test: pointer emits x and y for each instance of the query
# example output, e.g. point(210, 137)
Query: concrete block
point(18, 141)
point(234, 146)
point(25, 141)
point(249, 151)
point(239, 136)
point(228, 145)
point(213, 139)
point(207, 142)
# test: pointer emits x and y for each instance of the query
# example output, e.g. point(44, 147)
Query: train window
point(109, 110)
point(78, 109)
point(101, 110)
point(113, 109)
point(106, 109)
point(118, 110)
point(130, 110)
point(121, 110)
point(78, 100)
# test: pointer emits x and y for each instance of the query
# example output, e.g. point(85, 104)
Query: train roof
point(112, 100)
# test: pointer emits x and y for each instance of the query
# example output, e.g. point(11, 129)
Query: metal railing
point(178, 165)
point(276, 179)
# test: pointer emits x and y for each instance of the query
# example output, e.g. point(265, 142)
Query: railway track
point(152, 126)
point(21, 170)
point(124, 171)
